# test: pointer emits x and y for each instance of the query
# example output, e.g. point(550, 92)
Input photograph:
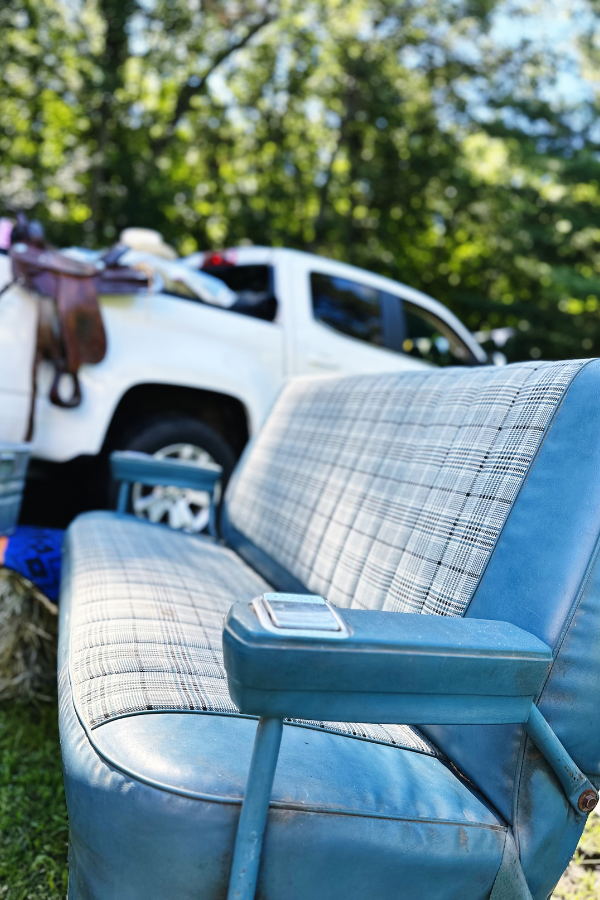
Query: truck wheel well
point(222, 412)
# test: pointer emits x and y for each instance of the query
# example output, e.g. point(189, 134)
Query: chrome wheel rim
point(183, 509)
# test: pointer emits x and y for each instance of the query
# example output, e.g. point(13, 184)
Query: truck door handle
point(323, 362)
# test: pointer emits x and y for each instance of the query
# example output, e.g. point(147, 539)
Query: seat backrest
point(451, 492)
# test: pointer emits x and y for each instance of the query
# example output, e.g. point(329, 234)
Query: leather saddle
point(70, 329)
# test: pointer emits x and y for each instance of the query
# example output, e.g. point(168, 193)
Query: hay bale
point(28, 639)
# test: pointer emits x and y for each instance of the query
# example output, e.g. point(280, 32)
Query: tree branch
point(188, 91)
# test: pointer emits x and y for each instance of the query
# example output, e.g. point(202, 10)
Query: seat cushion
point(155, 772)
point(147, 624)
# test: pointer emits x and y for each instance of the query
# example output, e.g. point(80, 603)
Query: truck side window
point(429, 338)
point(348, 307)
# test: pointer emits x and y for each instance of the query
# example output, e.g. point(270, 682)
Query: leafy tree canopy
point(400, 136)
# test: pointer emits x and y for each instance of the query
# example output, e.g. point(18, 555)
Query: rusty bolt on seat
point(588, 800)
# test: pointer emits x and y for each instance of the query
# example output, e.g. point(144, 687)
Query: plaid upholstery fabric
point(389, 491)
point(148, 608)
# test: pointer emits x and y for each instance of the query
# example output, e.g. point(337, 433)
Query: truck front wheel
point(184, 438)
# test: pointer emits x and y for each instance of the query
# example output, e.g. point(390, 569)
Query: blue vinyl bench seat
point(461, 493)
point(120, 578)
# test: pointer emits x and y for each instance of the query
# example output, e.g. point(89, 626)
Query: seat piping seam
point(276, 804)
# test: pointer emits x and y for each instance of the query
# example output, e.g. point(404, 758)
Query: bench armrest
point(303, 658)
point(296, 656)
point(128, 467)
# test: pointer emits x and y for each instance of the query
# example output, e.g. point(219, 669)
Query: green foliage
point(347, 127)
point(581, 881)
point(33, 816)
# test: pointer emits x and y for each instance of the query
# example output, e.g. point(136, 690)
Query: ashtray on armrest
point(299, 615)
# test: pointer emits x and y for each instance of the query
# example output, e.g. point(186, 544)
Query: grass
point(33, 816)
point(581, 881)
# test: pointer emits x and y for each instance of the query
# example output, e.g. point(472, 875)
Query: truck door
point(18, 326)
point(342, 324)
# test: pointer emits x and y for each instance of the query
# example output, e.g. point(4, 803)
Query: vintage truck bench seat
point(147, 600)
point(454, 492)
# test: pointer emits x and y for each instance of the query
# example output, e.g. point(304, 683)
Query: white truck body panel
point(155, 338)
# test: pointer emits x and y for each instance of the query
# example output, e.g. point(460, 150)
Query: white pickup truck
point(185, 378)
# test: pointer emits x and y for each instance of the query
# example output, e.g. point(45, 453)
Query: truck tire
point(186, 438)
